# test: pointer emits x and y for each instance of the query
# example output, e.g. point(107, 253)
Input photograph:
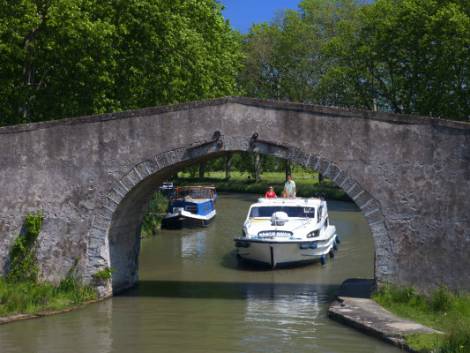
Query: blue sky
point(243, 13)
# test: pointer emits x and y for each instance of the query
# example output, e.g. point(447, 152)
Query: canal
point(193, 297)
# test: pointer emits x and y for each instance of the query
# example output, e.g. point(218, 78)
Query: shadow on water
point(342, 206)
point(228, 290)
point(230, 261)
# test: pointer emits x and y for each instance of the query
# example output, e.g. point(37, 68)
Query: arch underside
point(114, 237)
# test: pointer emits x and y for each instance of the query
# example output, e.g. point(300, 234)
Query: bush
point(103, 275)
point(153, 218)
point(74, 290)
point(23, 264)
point(441, 300)
point(457, 341)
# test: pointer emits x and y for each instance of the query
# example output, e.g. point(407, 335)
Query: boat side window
point(320, 213)
point(199, 194)
point(292, 211)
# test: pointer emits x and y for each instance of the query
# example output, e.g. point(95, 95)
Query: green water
point(193, 297)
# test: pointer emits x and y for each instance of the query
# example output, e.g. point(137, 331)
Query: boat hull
point(187, 219)
point(276, 253)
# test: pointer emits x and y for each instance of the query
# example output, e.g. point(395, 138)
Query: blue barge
point(190, 205)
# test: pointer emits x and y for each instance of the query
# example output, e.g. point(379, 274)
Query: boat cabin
point(293, 208)
point(194, 192)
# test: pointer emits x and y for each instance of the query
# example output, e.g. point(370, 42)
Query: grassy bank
point(443, 310)
point(308, 184)
point(31, 298)
point(20, 290)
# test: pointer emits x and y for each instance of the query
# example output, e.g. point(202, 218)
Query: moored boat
point(167, 188)
point(190, 205)
point(281, 231)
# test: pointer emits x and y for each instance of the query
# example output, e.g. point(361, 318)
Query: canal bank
point(41, 314)
point(307, 185)
point(354, 307)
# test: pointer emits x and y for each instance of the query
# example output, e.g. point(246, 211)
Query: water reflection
point(259, 317)
point(284, 315)
point(194, 245)
point(249, 291)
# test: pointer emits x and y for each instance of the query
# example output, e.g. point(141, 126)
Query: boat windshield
point(195, 193)
point(292, 211)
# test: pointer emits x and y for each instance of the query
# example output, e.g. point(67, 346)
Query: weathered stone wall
point(92, 177)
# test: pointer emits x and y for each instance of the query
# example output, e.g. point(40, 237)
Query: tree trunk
point(257, 166)
point(287, 168)
point(228, 166)
point(202, 170)
point(320, 178)
point(28, 64)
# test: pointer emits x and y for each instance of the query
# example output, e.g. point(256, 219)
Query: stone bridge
point(92, 177)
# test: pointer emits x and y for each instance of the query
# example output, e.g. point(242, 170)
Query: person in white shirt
point(289, 188)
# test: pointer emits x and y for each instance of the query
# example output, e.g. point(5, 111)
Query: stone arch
point(412, 171)
point(127, 195)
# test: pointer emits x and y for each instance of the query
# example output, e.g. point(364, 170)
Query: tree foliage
point(74, 57)
point(409, 56)
point(405, 56)
point(286, 59)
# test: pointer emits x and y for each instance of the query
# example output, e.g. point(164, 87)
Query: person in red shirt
point(270, 194)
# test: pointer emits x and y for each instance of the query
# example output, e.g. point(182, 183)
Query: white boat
point(283, 231)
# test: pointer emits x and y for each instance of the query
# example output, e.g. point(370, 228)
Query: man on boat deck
point(270, 194)
point(289, 188)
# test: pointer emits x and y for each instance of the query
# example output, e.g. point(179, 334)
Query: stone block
point(362, 198)
point(340, 178)
point(313, 163)
point(332, 171)
point(347, 184)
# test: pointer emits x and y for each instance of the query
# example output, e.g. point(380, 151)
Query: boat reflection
point(194, 245)
point(286, 313)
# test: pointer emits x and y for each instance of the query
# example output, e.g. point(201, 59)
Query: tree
point(260, 77)
point(228, 165)
point(408, 56)
point(74, 57)
point(405, 56)
point(257, 167)
point(174, 51)
point(202, 170)
point(285, 59)
point(287, 168)
point(56, 60)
